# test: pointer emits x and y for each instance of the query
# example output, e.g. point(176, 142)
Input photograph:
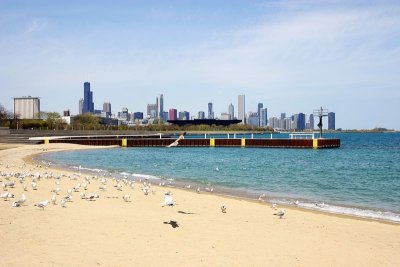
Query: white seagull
point(168, 200)
point(280, 213)
point(126, 198)
point(42, 204)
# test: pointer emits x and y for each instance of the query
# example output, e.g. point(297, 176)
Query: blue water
point(361, 178)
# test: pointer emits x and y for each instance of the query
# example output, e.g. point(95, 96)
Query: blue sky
point(294, 56)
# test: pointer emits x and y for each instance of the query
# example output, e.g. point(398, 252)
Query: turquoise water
point(361, 178)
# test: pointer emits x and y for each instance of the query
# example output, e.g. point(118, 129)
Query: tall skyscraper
point(263, 117)
point(259, 107)
point(201, 115)
point(331, 121)
point(241, 109)
point(210, 111)
point(283, 116)
point(88, 105)
point(160, 106)
point(184, 115)
point(81, 106)
point(311, 121)
point(301, 121)
point(152, 110)
point(173, 114)
point(107, 109)
point(231, 111)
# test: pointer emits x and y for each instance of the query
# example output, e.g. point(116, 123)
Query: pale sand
point(110, 232)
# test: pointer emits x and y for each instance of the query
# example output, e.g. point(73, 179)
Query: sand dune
point(108, 231)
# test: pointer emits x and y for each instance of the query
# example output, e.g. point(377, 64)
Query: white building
point(241, 109)
point(27, 107)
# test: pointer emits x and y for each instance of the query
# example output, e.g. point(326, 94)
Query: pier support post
point(46, 141)
point(243, 143)
point(212, 142)
point(124, 142)
point(315, 143)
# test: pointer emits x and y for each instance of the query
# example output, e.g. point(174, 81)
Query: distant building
point(263, 119)
point(160, 106)
point(301, 121)
point(231, 111)
point(164, 116)
point(80, 106)
point(173, 114)
point(201, 115)
point(27, 107)
point(283, 116)
point(66, 113)
point(88, 105)
point(152, 110)
point(137, 116)
point(210, 111)
point(331, 121)
point(124, 114)
point(107, 109)
point(241, 109)
point(259, 107)
point(311, 122)
point(184, 115)
point(225, 116)
point(253, 119)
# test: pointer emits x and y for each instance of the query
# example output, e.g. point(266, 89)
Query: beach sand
point(111, 232)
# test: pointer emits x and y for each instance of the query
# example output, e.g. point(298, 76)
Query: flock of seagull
point(32, 175)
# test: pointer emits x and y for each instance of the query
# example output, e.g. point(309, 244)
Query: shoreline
point(247, 234)
point(235, 193)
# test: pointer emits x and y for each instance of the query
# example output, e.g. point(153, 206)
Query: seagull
point(198, 190)
point(126, 198)
point(118, 186)
point(296, 202)
point(53, 199)
point(25, 187)
point(223, 209)
point(63, 203)
point(34, 185)
point(168, 200)
point(321, 205)
point(103, 188)
point(274, 206)
point(280, 213)
point(82, 195)
point(56, 190)
point(42, 204)
point(69, 191)
point(20, 201)
point(187, 187)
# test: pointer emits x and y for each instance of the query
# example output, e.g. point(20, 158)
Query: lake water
point(361, 178)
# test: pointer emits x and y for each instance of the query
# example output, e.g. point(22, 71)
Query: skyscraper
point(301, 121)
point(81, 106)
point(311, 121)
point(259, 107)
point(263, 117)
point(331, 121)
point(160, 106)
point(201, 115)
point(107, 109)
point(184, 115)
point(210, 111)
point(88, 105)
point(152, 110)
point(173, 114)
point(231, 111)
point(241, 109)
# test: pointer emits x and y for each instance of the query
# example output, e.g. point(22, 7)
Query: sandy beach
point(111, 232)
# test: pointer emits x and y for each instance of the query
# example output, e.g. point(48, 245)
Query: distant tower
point(231, 111)
point(241, 109)
point(81, 106)
point(88, 105)
point(173, 114)
point(160, 106)
point(263, 117)
point(301, 121)
point(107, 108)
point(210, 111)
point(331, 121)
point(259, 107)
point(311, 120)
point(201, 115)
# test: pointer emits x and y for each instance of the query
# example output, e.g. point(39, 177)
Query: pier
point(158, 140)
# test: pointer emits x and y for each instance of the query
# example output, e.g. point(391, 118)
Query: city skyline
point(342, 55)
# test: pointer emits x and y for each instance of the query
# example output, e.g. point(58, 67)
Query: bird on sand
point(280, 213)
point(168, 200)
point(54, 199)
point(63, 203)
point(274, 206)
point(223, 209)
point(42, 204)
point(126, 198)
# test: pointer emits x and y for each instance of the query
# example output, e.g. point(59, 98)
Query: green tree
point(54, 120)
point(86, 121)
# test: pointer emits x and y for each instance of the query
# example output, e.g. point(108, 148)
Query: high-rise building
point(173, 114)
point(81, 106)
point(107, 109)
point(210, 111)
point(311, 122)
point(231, 111)
point(259, 107)
point(331, 121)
point(66, 113)
point(88, 105)
point(27, 107)
point(241, 109)
point(263, 117)
point(283, 116)
point(137, 116)
point(253, 119)
point(301, 121)
point(201, 115)
point(124, 114)
point(152, 110)
point(184, 115)
point(160, 106)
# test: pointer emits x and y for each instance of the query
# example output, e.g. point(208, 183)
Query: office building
point(160, 106)
point(88, 105)
point(173, 114)
point(225, 116)
point(124, 114)
point(253, 119)
point(231, 111)
point(152, 110)
point(311, 122)
point(331, 121)
point(263, 119)
point(241, 109)
point(210, 111)
point(301, 121)
point(27, 107)
point(259, 107)
point(107, 109)
point(184, 115)
point(201, 115)
point(137, 116)
point(80, 106)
